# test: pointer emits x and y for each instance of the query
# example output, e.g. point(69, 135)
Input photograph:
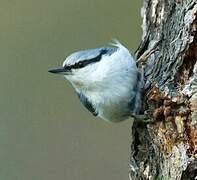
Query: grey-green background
point(45, 133)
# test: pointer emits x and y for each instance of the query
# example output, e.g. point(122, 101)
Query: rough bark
point(167, 148)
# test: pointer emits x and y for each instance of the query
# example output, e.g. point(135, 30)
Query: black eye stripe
point(84, 63)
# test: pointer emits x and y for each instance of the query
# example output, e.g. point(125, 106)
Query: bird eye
point(80, 64)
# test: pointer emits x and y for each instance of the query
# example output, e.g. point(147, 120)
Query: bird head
point(80, 66)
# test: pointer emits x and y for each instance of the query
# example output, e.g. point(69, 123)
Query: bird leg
point(142, 118)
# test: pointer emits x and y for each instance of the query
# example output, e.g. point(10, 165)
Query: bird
point(106, 80)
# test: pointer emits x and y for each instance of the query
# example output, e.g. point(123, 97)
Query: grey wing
point(87, 103)
point(135, 98)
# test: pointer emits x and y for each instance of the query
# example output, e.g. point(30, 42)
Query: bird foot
point(142, 118)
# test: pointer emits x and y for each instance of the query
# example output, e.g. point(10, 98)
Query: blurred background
point(45, 133)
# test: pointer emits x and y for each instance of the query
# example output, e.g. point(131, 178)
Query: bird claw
point(142, 118)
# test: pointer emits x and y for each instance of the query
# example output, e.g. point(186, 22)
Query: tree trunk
point(167, 148)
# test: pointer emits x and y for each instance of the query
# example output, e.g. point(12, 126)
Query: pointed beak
point(59, 70)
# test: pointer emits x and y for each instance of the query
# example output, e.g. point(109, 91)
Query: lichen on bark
point(167, 148)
